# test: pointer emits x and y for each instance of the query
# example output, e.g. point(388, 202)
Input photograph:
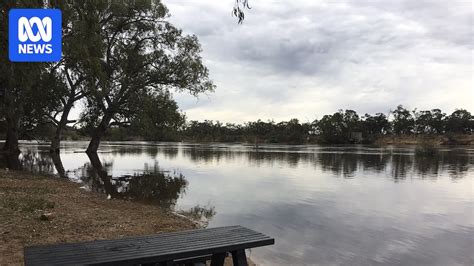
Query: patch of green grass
point(26, 204)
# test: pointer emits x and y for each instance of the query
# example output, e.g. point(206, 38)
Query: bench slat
point(145, 249)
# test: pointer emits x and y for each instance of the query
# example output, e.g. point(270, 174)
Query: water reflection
point(200, 214)
point(346, 163)
point(342, 161)
point(151, 185)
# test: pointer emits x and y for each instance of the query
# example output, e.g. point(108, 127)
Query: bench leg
point(239, 258)
point(218, 259)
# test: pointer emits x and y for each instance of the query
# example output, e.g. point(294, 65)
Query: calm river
point(325, 205)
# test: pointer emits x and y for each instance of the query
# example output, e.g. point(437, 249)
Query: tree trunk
point(12, 161)
point(56, 140)
point(103, 175)
point(58, 164)
point(12, 117)
point(99, 132)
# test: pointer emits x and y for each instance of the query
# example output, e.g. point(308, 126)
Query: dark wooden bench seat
point(164, 248)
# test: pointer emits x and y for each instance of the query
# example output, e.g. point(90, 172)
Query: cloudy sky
point(303, 59)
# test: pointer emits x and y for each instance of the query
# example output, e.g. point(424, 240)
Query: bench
point(185, 247)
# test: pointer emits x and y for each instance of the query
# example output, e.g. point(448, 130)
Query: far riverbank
point(434, 140)
point(379, 140)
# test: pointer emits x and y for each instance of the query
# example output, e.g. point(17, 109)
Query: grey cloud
point(303, 59)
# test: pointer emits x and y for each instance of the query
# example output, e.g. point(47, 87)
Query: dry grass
point(77, 215)
point(434, 140)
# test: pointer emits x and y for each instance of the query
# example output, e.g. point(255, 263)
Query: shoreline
point(38, 209)
point(442, 140)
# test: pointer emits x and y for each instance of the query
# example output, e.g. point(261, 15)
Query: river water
point(324, 205)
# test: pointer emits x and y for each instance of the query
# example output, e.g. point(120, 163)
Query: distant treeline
point(161, 120)
point(338, 128)
point(344, 126)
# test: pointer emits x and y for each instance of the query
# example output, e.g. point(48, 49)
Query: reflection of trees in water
point(457, 162)
point(400, 165)
point(347, 164)
point(253, 156)
point(36, 162)
point(198, 154)
point(152, 185)
point(427, 166)
point(339, 163)
point(168, 152)
point(374, 162)
point(200, 214)
point(151, 150)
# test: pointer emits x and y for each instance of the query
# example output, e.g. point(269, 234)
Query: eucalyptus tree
point(460, 121)
point(429, 121)
point(21, 90)
point(71, 77)
point(376, 124)
point(139, 51)
point(159, 117)
point(403, 121)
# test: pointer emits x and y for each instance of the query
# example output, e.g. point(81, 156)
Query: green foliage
point(429, 122)
point(30, 90)
point(139, 53)
point(344, 126)
point(376, 125)
point(403, 121)
point(333, 128)
point(253, 132)
point(460, 121)
point(158, 119)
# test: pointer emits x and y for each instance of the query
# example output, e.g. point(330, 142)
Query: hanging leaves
point(238, 10)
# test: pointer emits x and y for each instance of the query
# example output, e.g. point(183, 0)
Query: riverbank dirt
point(433, 140)
point(38, 210)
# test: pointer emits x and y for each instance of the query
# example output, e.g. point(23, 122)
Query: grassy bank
point(42, 210)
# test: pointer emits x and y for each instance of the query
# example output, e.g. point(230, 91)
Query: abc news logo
point(34, 35)
point(25, 33)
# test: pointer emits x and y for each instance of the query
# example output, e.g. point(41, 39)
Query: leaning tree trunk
point(58, 164)
point(99, 132)
point(56, 140)
point(103, 175)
